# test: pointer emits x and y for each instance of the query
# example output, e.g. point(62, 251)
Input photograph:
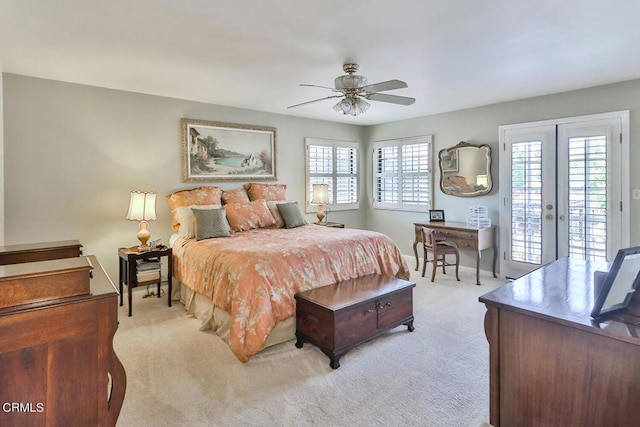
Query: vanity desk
point(466, 238)
point(550, 362)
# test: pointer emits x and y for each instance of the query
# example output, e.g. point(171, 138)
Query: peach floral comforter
point(253, 275)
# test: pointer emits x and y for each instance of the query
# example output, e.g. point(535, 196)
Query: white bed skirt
point(212, 317)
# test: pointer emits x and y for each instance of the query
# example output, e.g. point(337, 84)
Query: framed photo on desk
point(436, 215)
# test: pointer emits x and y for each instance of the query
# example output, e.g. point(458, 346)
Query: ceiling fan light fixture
point(351, 107)
point(356, 91)
point(343, 107)
point(361, 106)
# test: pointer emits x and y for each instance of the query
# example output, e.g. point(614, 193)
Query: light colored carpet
point(437, 375)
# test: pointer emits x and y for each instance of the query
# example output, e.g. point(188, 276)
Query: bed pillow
point(204, 195)
point(246, 216)
point(291, 215)
point(273, 207)
point(267, 192)
point(184, 216)
point(235, 196)
point(211, 223)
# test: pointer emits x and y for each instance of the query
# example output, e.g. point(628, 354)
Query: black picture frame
point(436, 215)
point(620, 284)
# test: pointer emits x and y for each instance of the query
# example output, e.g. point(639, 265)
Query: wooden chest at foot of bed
point(338, 317)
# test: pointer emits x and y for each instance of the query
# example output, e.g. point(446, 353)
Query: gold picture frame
point(217, 151)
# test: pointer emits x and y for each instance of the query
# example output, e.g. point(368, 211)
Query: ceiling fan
point(354, 89)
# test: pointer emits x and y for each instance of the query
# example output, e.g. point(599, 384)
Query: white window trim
point(400, 206)
point(331, 207)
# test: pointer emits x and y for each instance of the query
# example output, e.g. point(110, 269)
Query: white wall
point(480, 126)
point(73, 153)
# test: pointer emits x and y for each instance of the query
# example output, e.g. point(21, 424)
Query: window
point(402, 174)
point(334, 163)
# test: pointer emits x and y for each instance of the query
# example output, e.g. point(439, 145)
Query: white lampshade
point(320, 194)
point(142, 206)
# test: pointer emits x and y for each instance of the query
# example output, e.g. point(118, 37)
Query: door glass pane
point(526, 197)
point(588, 198)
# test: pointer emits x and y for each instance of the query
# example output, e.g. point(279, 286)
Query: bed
point(242, 285)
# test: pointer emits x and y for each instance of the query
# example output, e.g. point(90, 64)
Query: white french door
point(564, 190)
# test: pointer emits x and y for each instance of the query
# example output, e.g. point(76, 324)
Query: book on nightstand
point(148, 275)
point(148, 269)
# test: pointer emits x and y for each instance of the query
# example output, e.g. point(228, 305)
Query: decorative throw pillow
point(186, 219)
point(273, 207)
point(291, 215)
point(267, 192)
point(235, 196)
point(210, 223)
point(245, 216)
point(204, 195)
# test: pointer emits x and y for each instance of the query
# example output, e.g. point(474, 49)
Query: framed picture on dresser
point(620, 284)
point(436, 215)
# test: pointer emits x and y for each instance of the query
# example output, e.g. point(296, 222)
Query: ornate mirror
point(465, 170)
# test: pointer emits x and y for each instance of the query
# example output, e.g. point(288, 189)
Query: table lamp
point(320, 198)
point(142, 207)
point(482, 181)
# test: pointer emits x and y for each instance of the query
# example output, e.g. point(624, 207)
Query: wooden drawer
point(32, 252)
point(42, 281)
point(338, 317)
point(467, 244)
point(464, 239)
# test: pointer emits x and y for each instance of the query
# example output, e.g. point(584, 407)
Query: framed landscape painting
point(214, 151)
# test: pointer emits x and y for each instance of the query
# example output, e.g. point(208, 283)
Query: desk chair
point(434, 242)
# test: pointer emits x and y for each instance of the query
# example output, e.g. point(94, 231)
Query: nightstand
point(129, 258)
point(332, 224)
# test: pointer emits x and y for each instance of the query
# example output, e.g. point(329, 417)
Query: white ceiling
point(453, 54)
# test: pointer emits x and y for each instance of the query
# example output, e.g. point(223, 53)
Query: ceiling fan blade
point(323, 87)
point(383, 86)
point(394, 99)
point(315, 100)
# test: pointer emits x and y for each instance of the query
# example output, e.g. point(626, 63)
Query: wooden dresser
point(57, 363)
point(465, 238)
point(550, 363)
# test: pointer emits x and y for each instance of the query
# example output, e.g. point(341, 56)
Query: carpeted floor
point(437, 375)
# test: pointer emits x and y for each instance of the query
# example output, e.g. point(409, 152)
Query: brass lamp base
point(321, 215)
